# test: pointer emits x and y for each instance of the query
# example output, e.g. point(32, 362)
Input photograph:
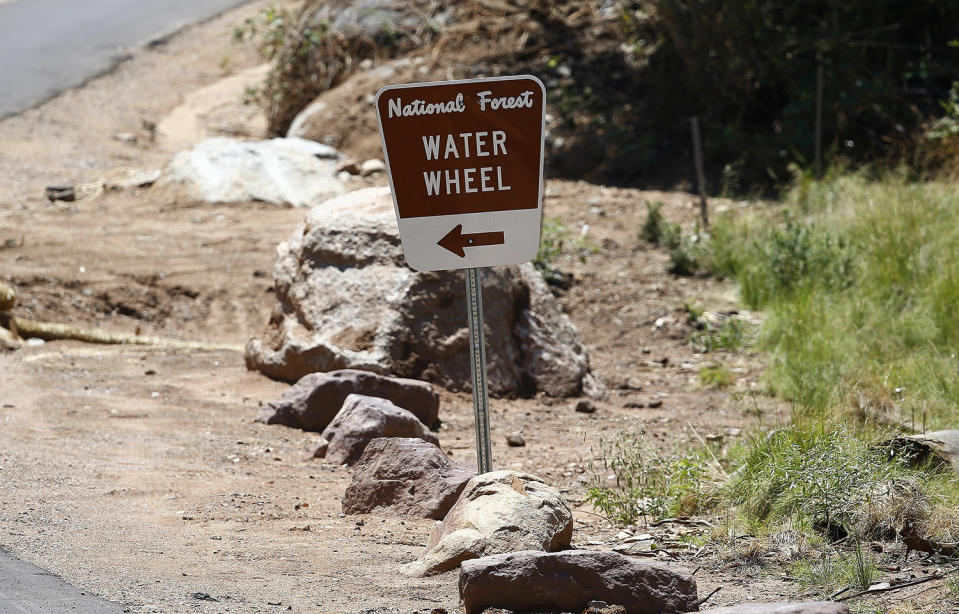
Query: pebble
point(585, 406)
point(515, 440)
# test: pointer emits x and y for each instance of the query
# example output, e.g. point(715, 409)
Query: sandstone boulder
point(500, 511)
point(290, 172)
point(363, 419)
point(568, 581)
point(404, 477)
point(346, 299)
point(312, 402)
point(809, 607)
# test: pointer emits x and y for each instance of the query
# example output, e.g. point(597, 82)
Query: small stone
point(349, 165)
point(61, 192)
point(515, 440)
point(372, 167)
point(322, 446)
point(634, 405)
point(585, 406)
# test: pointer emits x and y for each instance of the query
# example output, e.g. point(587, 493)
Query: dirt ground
point(137, 473)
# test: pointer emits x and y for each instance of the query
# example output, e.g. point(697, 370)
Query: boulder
point(500, 511)
point(346, 299)
point(404, 477)
point(312, 402)
point(808, 607)
point(568, 581)
point(290, 172)
point(362, 420)
point(941, 447)
point(334, 117)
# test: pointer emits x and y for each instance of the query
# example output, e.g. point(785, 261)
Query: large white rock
point(498, 512)
point(346, 299)
point(291, 172)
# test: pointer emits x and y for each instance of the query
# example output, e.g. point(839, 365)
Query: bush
point(310, 56)
point(819, 472)
point(716, 376)
point(749, 71)
point(656, 230)
point(730, 333)
point(556, 240)
point(647, 484)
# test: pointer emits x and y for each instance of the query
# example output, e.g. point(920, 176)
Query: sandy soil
point(138, 473)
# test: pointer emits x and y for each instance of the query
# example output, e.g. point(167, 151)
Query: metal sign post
point(465, 161)
point(474, 303)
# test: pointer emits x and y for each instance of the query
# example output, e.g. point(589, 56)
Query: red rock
point(404, 477)
point(567, 581)
point(312, 402)
point(363, 419)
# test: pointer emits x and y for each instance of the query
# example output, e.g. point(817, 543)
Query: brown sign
point(465, 160)
point(463, 147)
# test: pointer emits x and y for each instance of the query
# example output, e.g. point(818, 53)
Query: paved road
point(47, 46)
point(27, 589)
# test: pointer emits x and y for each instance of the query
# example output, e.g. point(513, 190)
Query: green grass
point(952, 583)
point(731, 333)
point(716, 376)
point(859, 284)
point(823, 473)
point(634, 480)
point(837, 570)
point(556, 241)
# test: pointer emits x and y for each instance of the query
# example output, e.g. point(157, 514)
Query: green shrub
point(731, 333)
point(307, 58)
point(861, 291)
point(716, 376)
point(816, 471)
point(556, 240)
point(647, 484)
point(837, 570)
